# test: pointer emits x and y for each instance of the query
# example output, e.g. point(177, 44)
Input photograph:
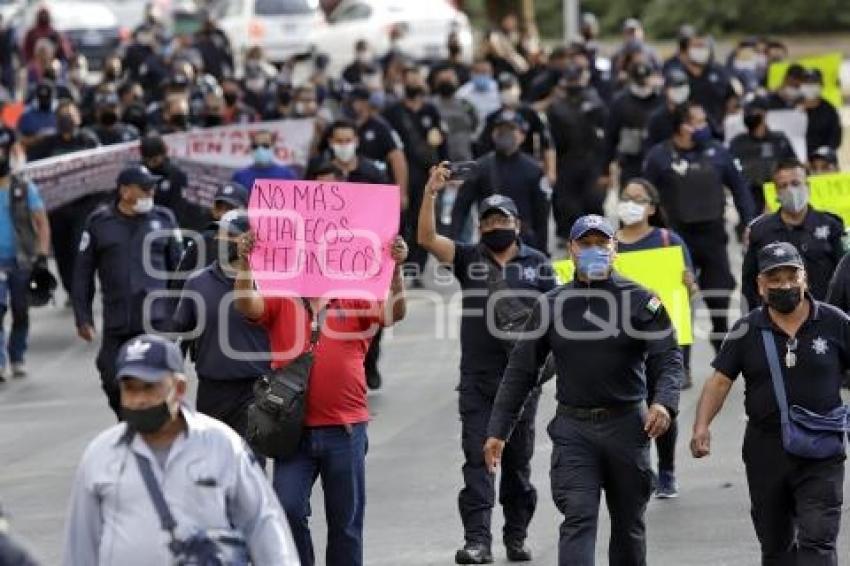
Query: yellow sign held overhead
point(660, 270)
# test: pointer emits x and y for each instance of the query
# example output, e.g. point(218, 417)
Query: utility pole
point(571, 20)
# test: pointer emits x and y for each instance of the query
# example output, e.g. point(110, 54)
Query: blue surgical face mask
point(263, 156)
point(702, 135)
point(481, 82)
point(594, 263)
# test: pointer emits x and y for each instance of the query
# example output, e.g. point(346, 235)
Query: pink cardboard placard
point(315, 238)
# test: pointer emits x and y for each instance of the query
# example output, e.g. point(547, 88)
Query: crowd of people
point(487, 155)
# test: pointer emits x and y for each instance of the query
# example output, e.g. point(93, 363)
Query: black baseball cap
point(138, 175)
point(639, 71)
point(233, 194)
point(591, 223)
point(511, 118)
point(152, 146)
point(235, 222)
point(507, 80)
point(149, 358)
point(826, 153)
point(500, 204)
point(676, 77)
point(779, 254)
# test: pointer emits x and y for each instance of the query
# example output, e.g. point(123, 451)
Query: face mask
point(377, 98)
point(159, 169)
point(108, 118)
point(679, 94)
point(699, 55)
point(630, 212)
point(641, 91)
point(413, 91)
point(795, 198)
point(255, 85)
point(510, 97)
point(753, 120)
point(810, 91)
point(143, 205)
point(179, 120)
point(300, 108)
point(147, 421)
point(345, 152)
point(364, 57)
point(481, 82)
point(65, 124)
point(505, 143)
point(446, 89)
point(790, 93)
point(702, 135)
point(263, 156)
point(212, 121)
point(499, 240)
point(784, 300)
point(594, 263)
point(574, 90)
point(231, 98)
point(454, 50)
point(45, 102)
point(745, 65)
point(232, 252)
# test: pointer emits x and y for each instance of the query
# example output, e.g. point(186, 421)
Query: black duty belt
point(597, 413)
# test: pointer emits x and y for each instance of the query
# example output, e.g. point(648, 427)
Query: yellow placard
point(829, 192)
point(829, 65)
point(660, 270)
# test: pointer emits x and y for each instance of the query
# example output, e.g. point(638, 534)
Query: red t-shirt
point(336, 394)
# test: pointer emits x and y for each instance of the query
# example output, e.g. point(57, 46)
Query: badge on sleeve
point(85, 240)
point(653, 304)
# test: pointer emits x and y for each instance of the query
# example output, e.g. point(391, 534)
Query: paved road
point(414, 460)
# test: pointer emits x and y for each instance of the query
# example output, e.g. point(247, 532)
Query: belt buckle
point(598, 413)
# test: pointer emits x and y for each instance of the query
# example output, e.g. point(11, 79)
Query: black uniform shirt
point(377, 139)
point(818, 239)
point(823, 353)
point(602, 358)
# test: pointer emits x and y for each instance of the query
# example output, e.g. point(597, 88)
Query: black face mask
point(231, 98)
point(499, 240)
point(4, 166)
point(505, 143)
point(784, 300)
point(65, 124)
point(108, 118)
point(212, 120)
point(232, 253)
point(159, 169)
point(179, 120)
point(45, 102)
point(411, 92)
point(147, 421)
point(753, 121)
point(454, 50)
point(446, 89)
point(574, 90)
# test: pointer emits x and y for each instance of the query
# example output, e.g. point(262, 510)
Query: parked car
point(424, 27)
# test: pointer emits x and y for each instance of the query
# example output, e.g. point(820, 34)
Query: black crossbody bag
point(276, 417)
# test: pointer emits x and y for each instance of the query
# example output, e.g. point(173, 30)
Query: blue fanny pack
point(805, 433)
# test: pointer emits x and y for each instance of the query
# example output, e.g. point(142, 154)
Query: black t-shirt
point(823, 354)
point(55, 144)
point(118, 133)
point(529, 270)
point(377, 139)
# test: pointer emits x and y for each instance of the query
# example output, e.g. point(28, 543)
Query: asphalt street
point(414, 459)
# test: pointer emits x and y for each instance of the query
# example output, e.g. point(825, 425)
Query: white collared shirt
point(210, 480)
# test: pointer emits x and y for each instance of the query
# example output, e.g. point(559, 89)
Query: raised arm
point(443, 248)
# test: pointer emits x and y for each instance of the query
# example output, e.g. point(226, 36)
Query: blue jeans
point(338, 455)
point(14, 284)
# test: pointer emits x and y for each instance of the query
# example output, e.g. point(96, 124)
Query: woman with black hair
point(643, 226)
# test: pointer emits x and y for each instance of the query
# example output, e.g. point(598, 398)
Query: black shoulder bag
point(276, 417)
point(209, 547)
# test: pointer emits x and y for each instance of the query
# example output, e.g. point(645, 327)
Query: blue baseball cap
point(138, 175)
point(233, 194)
point(149, 358)
point(591, 223)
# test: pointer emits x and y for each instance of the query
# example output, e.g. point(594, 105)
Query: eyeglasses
point(258, 145)
point(641, 200)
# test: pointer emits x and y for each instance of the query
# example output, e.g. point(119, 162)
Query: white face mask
point(630, 212)
point(679, 94)
point(143, 205)
point(699, 55)
point(791, 92)
point(345, 152)
point(810, 91)
point(510, 97)
point(641, 91)
point(795, 198)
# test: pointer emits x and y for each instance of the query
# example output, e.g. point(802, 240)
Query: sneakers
point(517, 552)
point(474, 553)
point(19, 370)
point(373, 379)
point(667, 486)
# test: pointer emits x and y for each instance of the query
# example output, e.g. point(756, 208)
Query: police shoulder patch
point(653, 305)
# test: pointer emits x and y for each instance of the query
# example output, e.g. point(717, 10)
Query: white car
point(281, 27)
point(425, 26)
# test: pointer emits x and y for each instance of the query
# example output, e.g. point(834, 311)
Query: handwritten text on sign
point(314, 239)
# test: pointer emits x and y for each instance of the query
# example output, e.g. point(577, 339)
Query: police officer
point(483, 359)
point(344, 152)
point(207, 477)
point(823, 160)
point(816, 235)
point(229, 196)
point(577, 119)
point(690, 171)
point(759, 149)
point(113, 245)
point(225, 383)
point(172, 182)
point(109, 129)
point(626, 130)
point(796, 501)
point(508, 171)
point(613, 346)
point(677, 92)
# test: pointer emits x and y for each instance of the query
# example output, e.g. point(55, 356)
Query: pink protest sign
point(317, 238)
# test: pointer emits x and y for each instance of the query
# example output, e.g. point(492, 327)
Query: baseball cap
point(512, 118)
point(137, 175)
point(631, 24)
point(149, 358)
point(507, 80)
point(591, 223)
point(779, 254)
point(233, 194)
point(826, 153)
point(498, 203)
point(676, 77)
point(235, 222)
point(639, 71)
point(813, 76)
point(106, 99)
